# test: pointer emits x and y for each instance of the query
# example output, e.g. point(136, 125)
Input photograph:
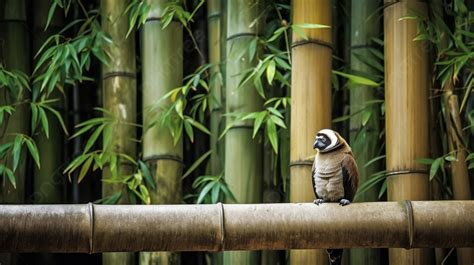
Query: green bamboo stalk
point(243, 155)
point(214, 15)
point(14, 55)
point(48, 179)
point(216, 46)
point(119, 97)
point(162, 52)
point(365, 23)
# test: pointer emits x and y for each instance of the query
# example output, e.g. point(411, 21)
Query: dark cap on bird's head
point(327, 140)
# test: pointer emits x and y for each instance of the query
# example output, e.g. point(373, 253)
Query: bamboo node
point(222, 228)
point(312, 41)
point(405, 172)
point(90, 207)
point(119, 74)
point(301, 163)
point(411, 222)
point(155, 158)
point(243, 34)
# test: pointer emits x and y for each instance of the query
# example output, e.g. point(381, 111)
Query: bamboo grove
point(199, 102)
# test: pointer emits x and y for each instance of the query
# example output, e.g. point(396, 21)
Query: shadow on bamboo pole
point(310, 104)
point(406, 101)
point(119, 98)
point(102, 228)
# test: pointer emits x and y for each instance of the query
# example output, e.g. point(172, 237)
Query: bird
point(335, 175)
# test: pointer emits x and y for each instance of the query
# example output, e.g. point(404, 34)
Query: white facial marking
point(332, 137)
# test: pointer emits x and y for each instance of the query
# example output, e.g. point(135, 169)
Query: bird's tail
point(335, 256)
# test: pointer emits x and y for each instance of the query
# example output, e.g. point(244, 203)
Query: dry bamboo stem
point(119, 90)
point(460, 176)
point(406, 101)
point(311, 103)
point(102, 228)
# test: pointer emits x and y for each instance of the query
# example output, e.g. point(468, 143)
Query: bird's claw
point(318, 201)
point(344, 202)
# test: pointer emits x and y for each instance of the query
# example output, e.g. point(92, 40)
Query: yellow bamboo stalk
point(406, 101)
point(459, 170)
point(119, 90)
point(311, 104)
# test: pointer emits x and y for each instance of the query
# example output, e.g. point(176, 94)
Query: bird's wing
point(350, 176)
point(313, 172)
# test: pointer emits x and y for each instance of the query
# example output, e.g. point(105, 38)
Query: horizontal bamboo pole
point(104, 228)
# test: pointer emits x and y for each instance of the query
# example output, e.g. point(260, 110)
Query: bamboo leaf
point(215, 193)
point(272, 135)
point(196, 164)
point(17, 151)
point(258, 122)
point(357, 79)
point(33, 151)
point(198, 125)
point(85, 168)
point(93, 138)
point(271, 68)
point(435, 166)
point(205, 191)
point(146, 174)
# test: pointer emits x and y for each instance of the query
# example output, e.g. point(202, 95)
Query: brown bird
point(335, 175)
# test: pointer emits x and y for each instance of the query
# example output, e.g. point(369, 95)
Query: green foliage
point(13, 150)
point(62, 60)
point(102, 128)
point(193, 95)
point(211, 189)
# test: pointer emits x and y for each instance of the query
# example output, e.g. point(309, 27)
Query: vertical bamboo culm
point(48, 179)
point(14, 55)
point(406, 102)
point(310, 104)
point(243, 155)
point(162, 53)
point(119, 97)
point(365, 24)
point(214, 15)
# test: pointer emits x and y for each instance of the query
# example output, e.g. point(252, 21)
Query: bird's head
point(327, 140)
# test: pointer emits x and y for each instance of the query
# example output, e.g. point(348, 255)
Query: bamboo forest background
point(165, 102)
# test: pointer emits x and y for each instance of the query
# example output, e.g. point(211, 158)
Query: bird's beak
point(315, 145)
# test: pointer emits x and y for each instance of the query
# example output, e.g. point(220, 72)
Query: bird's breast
point(329, 187)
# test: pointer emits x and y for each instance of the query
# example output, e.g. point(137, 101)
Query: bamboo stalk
point(214, 15)
point(311, 104)
point(119, 97)
point(92, 228)
point(48, 179)
point(365, 22)
point(14, 56)
point(162, 52)
point(406, 102)
point(459, 170)
point(243, 154)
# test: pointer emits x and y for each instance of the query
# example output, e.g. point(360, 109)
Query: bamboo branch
point(103, 228)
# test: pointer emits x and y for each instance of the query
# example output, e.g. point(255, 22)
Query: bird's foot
point(344, 202)
point(318, 201)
